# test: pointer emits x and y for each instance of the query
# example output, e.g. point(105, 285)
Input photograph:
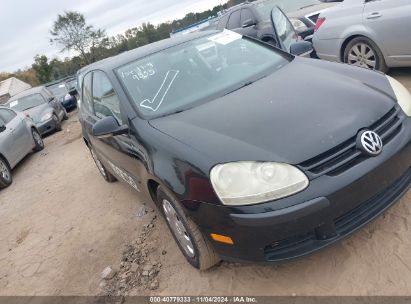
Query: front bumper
point(331, 208)
point(46, 126)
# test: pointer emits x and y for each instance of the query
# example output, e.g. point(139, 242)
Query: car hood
point(37, 113)
point(310, 10)
point(296, 113)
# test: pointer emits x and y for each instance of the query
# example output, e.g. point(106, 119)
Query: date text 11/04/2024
point(204, 299)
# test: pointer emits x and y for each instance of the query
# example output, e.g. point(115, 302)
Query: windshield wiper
point(307, 6)
point(246, 85)
point(29, 108)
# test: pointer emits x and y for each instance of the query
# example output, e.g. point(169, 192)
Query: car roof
point(111, 63)
point(28, 92)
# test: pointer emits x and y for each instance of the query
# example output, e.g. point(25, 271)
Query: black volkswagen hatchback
point(251, 154)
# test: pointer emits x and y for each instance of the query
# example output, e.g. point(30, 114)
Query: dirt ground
point(61, 224)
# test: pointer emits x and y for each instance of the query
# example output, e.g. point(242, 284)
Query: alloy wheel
point(37, 138)
point(4, 171)
point(362, 55)
point(178, 229)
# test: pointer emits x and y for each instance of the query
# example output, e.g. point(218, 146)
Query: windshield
point(287, 6)
point(197, 71)
point(58, 89)
point(27, 102)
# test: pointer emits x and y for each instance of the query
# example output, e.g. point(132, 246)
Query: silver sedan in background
point(375, 34)
point(18, 137)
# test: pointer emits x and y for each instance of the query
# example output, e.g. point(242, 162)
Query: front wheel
point(194, 245)
point(57, 123)
point(5, 174)
point(38, 141)
point(363, 52)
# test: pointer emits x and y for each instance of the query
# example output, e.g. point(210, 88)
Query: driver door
point(283, 28)
point(16, 136)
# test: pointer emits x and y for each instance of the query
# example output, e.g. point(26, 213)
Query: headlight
point(298, 25)
point(402, 94)
point(245, 183)
point(46, 117)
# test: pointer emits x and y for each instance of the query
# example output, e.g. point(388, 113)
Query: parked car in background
point(371, 34)
point(18, 137)
point(65, 93)
point(255, 17)
point(277, 30)
point(44, 108)
point(247, 158)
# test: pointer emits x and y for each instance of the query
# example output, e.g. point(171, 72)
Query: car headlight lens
point(245, 183)
point(46, 117)
point(402, 94)
point(298, 25)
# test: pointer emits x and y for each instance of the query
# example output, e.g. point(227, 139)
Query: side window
point(86, 99)
point(246, 14)
point(105, 100)
point(6, 115)
point(234, 21)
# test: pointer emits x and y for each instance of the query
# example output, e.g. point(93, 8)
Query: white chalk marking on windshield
point(155, 104)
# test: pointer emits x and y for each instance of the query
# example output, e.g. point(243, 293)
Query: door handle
point(374, 15)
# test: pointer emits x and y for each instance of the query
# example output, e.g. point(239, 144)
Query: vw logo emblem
point(370, 142)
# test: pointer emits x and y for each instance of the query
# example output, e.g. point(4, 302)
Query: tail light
point(318, 24)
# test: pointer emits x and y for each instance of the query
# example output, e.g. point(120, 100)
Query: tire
point(108, 177)
point(198, 250)
point(363, 52)
point(57, 123)
point(5, 174)
point(65, 117)
point(38, 141)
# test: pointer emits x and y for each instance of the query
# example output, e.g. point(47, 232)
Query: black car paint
point(272, 121)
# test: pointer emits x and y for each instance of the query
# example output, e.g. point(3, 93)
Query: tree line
point(70, 31)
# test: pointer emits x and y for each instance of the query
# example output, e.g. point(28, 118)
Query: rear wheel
point(38, 141)
point(5, 174)
point(194, 245)
point(57, 123)
point(363, 52)
point(106, 175)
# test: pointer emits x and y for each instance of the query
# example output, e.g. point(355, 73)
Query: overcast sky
point(25, 24)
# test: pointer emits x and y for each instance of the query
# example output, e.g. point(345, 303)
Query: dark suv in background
point(254, 18)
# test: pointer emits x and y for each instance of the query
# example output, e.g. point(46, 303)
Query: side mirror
point(51, 99)
point(73, 91)
point(248, 23)
point(107, 127)
point(2, 128)
point(301, 48)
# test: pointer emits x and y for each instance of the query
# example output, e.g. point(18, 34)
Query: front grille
point(372, 207)
point(346, 155)
point(314, 18)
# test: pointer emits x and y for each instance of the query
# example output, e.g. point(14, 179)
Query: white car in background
point(374, 34)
